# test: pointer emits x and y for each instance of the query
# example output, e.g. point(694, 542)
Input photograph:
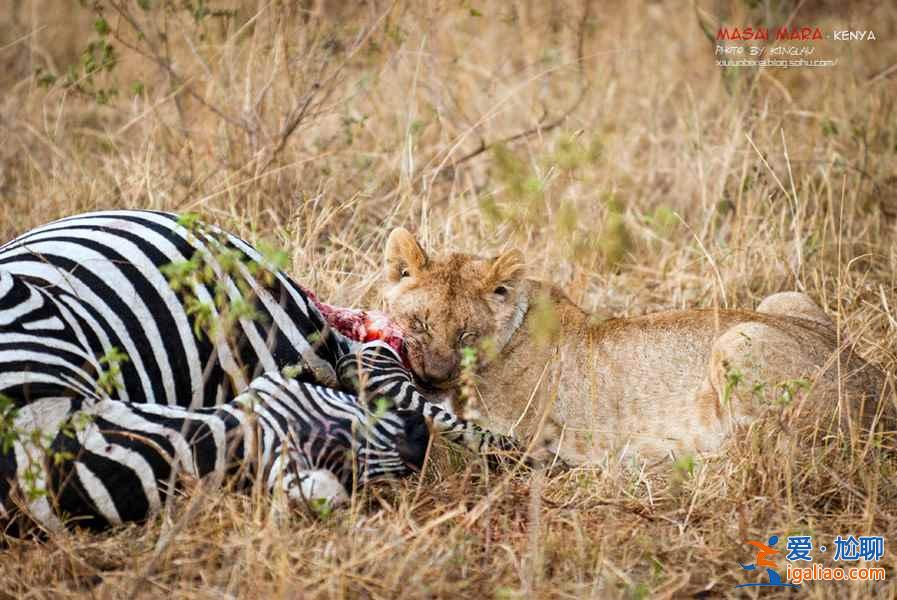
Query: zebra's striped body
point(103, 272)
point(78, 290)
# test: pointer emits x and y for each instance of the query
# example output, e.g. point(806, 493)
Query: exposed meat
point(362, 325)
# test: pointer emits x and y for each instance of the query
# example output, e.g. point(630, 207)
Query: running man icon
point(763, 552)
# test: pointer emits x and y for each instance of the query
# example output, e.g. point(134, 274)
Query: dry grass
point(645, 179)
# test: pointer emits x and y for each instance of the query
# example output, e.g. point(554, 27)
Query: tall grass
point(600, 138)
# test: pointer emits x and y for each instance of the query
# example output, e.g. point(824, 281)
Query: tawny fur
point(658, 385)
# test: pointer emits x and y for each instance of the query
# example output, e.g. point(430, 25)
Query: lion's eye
point(467, 339)
point(404, 273)
point(501, 291)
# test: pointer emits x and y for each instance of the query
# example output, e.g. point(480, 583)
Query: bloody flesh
point(362, 325)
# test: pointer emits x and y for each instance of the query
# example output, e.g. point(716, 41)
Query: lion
point(660, 385)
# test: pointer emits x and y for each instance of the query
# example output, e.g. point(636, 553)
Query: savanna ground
point(601, 138)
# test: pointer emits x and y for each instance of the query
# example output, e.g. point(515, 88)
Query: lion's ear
point(504, 271)
point(404, 257)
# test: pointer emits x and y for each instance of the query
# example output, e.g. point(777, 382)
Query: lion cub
point(661, 384)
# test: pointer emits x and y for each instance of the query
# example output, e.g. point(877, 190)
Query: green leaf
point(44, 78)
point(189, 221)
point(291, 371)
point(101, 26)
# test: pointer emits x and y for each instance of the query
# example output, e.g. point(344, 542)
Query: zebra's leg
point(28, 445)
point(376, 372)
point(304, 485)
point(339, 433)
point(125, 460)
point(254, 436)
point(123, 464)
point(107, 462)
point(115, 461)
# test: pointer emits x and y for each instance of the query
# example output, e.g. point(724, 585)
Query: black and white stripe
point(75, 290)
point(105, 270)
point(375, 372)
point(127, 459)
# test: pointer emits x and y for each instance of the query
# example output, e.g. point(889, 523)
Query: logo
point(761, 560)
point(863, 551)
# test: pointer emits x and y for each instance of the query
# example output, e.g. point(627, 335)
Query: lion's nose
point(441, 366)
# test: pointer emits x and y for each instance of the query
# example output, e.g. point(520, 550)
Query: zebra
point(311, 442)
point(112, 352)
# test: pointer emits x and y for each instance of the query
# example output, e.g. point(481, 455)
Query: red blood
point(362, 325)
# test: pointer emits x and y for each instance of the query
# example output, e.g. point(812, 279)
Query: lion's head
point(445, 303)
